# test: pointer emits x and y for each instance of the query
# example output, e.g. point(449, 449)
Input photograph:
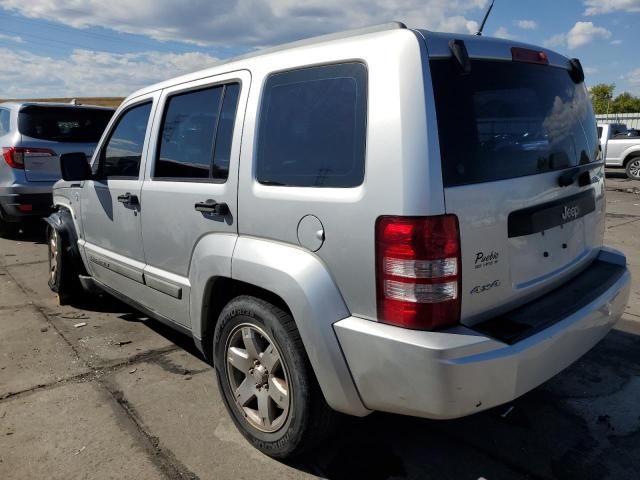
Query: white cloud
point(590, 70)
point(585, 32)
point(580, 34)
point(616, 42)
point(503, 32)
point(556, 41)
point(11, 38)
point(597, 7)
point(90, 73)
point(249, 23)
point(527, 24)
point(633, 78)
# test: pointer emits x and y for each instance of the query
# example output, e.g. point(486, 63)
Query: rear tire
point(266, 381)
point(632, 168)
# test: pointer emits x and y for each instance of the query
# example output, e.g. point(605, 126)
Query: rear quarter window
point(5, 116)
point(63, 124)
point(312, 127)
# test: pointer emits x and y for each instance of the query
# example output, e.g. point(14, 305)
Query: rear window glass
point(63, 124)
point(312, 127)
point(510, 119)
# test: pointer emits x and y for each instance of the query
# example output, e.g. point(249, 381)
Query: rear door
point(47, 132)
point(508, 131)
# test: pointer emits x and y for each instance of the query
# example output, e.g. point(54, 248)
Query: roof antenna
point(484, 20)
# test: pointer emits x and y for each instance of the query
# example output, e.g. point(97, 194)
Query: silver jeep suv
point(387, 219)
point(32, 137)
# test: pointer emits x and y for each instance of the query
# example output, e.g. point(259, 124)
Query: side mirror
point(74, 167)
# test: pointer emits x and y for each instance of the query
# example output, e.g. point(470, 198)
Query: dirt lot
point(124, 397)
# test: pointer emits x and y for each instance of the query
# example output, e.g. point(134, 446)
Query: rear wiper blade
point(582, 173)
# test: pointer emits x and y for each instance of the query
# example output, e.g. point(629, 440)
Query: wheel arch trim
point(302, 281)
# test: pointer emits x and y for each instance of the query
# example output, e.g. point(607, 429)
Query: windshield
point(510, 119)
point(63, 124)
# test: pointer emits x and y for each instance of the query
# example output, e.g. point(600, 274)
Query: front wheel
point(633, 168)
point(61, 272)
point(266, 381)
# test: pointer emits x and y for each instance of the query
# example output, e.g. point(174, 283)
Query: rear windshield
point(510, 119)
point(63, 124)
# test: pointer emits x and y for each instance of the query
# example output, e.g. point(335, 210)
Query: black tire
point(7, 229)
point(632, 168)
point(63, 278)
point(309, 420)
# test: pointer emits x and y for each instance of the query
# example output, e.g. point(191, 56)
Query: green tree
point(602, 97)
point(625, 103)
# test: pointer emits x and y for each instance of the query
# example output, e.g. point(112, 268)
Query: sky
point(75, 48)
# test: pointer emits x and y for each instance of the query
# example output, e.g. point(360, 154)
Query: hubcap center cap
point(260, 374)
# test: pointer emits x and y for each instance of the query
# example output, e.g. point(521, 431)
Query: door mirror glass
point(75, 167)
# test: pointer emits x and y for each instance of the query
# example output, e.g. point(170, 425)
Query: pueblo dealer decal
point(485, 259)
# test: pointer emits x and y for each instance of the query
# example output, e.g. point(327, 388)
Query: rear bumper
point(461, 371)
point(16, 205)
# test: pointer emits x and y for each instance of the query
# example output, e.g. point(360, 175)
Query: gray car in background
point(32, 138)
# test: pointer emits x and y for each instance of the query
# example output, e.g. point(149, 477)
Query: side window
point(5, 115)
point(313, 127)
point(195, 139)
point(123, 151)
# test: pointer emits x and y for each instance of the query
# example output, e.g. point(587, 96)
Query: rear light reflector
point(418, 271)
point(25, 207)
point(15, 156)
point(529, 56)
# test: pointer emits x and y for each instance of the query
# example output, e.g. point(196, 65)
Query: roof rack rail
point(322, 38)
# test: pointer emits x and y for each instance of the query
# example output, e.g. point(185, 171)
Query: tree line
point(604, 101)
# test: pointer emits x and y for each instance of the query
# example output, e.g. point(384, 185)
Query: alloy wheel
point(53, 254)
point(634, 168)
point(258, 378)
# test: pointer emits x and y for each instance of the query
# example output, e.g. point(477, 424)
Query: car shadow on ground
point(582, 424)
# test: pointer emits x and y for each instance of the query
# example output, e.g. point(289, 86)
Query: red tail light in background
point(14, 156)
point(418, 271)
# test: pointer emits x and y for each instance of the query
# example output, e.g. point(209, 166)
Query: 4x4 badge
point(484, 288)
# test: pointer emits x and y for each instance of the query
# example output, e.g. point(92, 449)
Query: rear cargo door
point(50, 131)
point(521, 171)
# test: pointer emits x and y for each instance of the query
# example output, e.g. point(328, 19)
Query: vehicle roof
point(440, 39)
point(313, 41)
point(20, 105)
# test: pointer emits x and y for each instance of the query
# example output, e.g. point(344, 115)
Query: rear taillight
point(14, 156)
point(418, 271)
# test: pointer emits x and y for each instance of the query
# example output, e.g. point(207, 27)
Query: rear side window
point(5, 115)
point(313, 127)
point(122, 153)
point(510, 119)
point(195, 141)
point(63, 124)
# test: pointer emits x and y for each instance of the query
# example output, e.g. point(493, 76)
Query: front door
point(111, 208)
point(189, 196)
